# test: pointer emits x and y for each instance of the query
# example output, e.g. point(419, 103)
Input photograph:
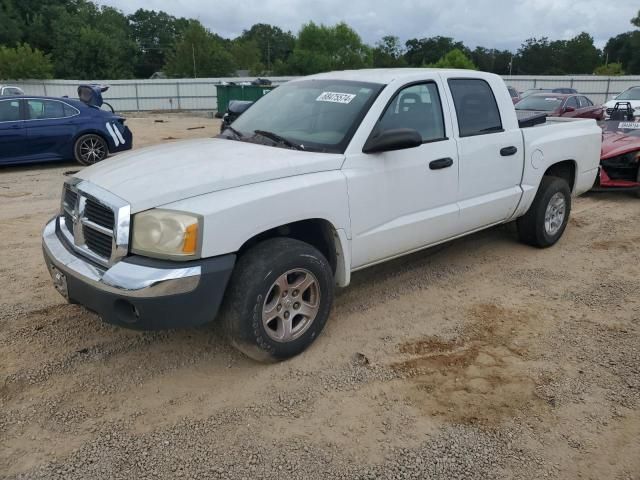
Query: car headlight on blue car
point(167, 234)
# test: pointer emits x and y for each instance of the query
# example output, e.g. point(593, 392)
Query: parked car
point(631, 95)
point(533, 91)
point(620, 156)
point(8, 90)
point(515, 95)
point(324, 176)
point(44, 129)
point(561, 105)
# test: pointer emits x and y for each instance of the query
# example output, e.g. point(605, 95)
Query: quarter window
point(572, 102)
point(476, 107)
point(417, 107)
point(48, 109)
point(9, 111)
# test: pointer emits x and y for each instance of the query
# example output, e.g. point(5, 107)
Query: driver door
point(405, 200)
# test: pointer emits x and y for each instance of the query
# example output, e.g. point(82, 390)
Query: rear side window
point(69, 111)
point(9, 110)
point(417, 107)
point(476, 107)
point(572, 102)
point(45, 109)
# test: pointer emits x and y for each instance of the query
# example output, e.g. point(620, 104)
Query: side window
point(9, 110)
point(476, 107)
point(572, 102)
point(44, 109)
point(69, 111)
point(417, 107)
point(585, 102)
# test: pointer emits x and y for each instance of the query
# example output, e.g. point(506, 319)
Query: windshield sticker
point(335, 97)
point(629, 125)
point(551, 99)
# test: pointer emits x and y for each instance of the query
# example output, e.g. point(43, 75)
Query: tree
point(11, 26)
point(491, 60)
point(454, 59)
point(273, 43)
point(579, 54)
point(320, 48)
point(24, 62)
point(199, 53)
point(430, 50)
point(539, 57)
point(389, 53)
point(246, 55)
point(610, 70)
point(636, 20)
point(155, 34)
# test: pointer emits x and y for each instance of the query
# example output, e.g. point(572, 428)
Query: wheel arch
point(319, 233)
point(565, 169)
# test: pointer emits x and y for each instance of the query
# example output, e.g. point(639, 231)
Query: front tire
point(278, 300)
point(546, 220)
point(90, 149)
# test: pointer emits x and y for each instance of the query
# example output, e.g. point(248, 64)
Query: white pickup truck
point(324, 176)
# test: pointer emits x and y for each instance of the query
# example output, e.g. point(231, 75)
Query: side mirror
point(389, 140)
point(569, 109)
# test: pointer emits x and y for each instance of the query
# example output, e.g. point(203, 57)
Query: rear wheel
point(90, 149)
point(545, 221)
point(638, 190)
point(278, 300)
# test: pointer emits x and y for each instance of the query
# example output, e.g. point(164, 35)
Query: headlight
point(166, 234)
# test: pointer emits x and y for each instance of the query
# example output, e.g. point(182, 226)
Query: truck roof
point(386, 75)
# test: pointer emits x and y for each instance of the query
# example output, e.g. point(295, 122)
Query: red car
point(561, 105)
point(620, 155)
point(515, 94)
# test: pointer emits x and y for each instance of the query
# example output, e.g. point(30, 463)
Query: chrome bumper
point(124, 278)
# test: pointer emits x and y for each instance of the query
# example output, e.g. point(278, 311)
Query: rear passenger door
point(51, 127)
point(12, 131)
point(490, 153)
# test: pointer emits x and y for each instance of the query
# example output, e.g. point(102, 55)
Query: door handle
point(508, 151)
point(440, 163)
point(16, 126)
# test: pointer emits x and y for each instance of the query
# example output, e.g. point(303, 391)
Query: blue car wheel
point(90, 149)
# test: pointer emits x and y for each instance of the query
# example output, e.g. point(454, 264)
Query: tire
point(90, 149)
point(264, 315)
point(638, 180)
point(545, 221)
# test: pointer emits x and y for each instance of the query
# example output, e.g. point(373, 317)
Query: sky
point(502, 24)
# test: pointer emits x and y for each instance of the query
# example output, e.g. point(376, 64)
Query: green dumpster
point(226, 93)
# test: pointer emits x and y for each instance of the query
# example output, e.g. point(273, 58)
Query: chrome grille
point(99, 214)
point(95, 222)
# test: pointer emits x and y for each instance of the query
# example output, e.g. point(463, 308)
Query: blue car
point(43, 129)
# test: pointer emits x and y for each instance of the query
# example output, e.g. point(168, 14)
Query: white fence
point(200, 93)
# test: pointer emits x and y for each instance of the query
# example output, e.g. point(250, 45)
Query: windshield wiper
point(234, 131)
point(279, 138)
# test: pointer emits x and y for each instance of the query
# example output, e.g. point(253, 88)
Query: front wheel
point(90, 149)
point(278, 300)
point(545, 221)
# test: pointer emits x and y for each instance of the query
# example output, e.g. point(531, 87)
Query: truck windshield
point(539, 103)
point(318, 115)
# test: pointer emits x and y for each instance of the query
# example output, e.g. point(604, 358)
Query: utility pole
point(193, 55)
point(269, 56)
point(510, 65)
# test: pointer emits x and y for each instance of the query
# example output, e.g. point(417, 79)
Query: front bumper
point(139, 292)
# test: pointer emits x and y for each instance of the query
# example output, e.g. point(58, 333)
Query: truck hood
point(162, 174)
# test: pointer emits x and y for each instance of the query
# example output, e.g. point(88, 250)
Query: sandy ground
point(481, 359)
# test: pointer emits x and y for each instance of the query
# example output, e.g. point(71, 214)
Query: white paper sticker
point(630, 125)
point(335, 97)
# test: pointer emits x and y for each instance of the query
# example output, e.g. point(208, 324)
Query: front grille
point(609, 111)
point(99, 214)
point(98, 242)
point(90, 219)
